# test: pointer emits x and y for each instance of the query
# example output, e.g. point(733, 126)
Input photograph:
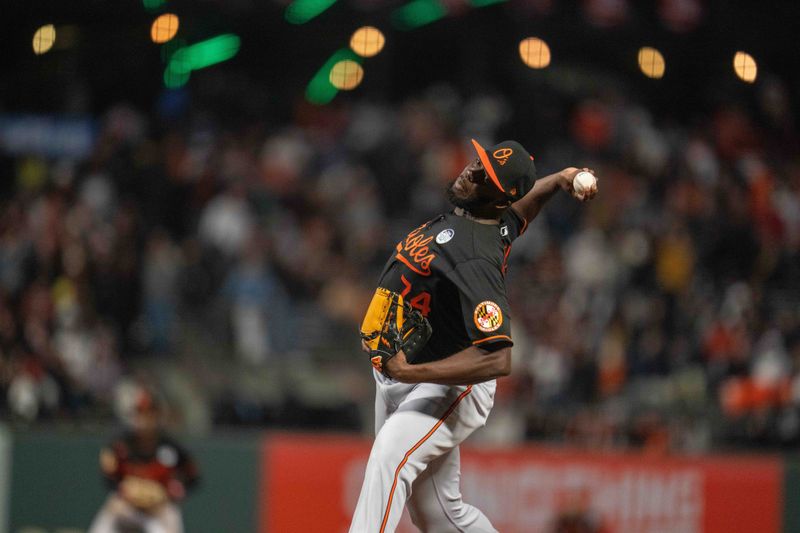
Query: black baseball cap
point(509, 166)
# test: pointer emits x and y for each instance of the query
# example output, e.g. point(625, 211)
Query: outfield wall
point(523, 490)
point(284, 483)
point(56, 486)
point(5, 476)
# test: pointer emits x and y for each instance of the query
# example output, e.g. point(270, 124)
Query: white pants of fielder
point(415, 457)
point(116, 511)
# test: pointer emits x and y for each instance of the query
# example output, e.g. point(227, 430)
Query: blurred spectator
point(673, 299)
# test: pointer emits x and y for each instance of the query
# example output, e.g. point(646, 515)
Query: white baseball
point(583, 182)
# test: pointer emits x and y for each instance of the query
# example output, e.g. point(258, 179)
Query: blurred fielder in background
point(148, 472)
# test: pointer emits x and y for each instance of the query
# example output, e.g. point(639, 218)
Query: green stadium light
point(205, 53)
point(153, 5)
point(174, 79)
point(418, 13)
point(301, 11)
point(320, 90)
point(484, 3)
point(185, 59)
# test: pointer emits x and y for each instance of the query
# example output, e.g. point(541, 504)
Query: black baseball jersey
point(164, 461)
point(453, 270)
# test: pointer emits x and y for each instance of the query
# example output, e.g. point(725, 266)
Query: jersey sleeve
point(484, 306)
point(512, 224)
point(186, 468)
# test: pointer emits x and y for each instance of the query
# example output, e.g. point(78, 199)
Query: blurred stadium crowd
point(229, 265)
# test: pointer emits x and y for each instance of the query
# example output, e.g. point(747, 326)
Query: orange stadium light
point(534, 52)
point(367, 41)
point(164, 28)
point(346, 75)
point(651, 62)
point(320, 90)
point(745, 66)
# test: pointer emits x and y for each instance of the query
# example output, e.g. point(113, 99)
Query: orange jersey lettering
point(415, 253)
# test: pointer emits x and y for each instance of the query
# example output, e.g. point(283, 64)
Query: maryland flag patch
point(488, 316)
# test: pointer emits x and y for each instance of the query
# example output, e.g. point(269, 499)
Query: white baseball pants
point(115, 510)
point(415, 457)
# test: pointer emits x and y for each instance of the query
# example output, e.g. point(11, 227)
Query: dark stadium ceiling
point(471, 44)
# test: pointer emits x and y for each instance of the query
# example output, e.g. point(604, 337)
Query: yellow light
point(534, 52)
point(367, 41)
point(164, 28)
point(346, 75)
point(651, 62)
point(745, 67)
point(43, 39)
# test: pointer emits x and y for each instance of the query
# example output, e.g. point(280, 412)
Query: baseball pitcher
point(438, 333)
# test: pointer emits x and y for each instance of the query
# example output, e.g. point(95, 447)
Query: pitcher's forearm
point(532, 203)
point(466, 367)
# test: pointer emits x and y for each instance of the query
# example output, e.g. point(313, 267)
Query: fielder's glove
point(144, 494)
point(391, 325)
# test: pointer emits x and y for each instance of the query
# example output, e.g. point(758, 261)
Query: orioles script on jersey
point(415, 253)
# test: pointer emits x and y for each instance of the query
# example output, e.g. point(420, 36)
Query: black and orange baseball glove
point(391, 325)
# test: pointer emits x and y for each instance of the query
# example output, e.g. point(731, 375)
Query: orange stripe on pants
point(415, 447)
